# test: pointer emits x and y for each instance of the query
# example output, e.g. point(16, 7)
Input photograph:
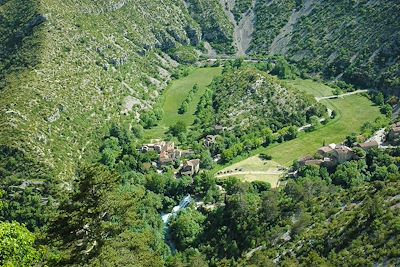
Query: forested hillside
point(358, 41)
point(70, 68)
point(217, 28)
point(246, 98)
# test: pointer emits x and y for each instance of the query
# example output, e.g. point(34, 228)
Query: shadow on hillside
point(19, 46)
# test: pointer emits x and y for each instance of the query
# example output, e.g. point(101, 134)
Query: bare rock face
point(54, 117)
point(129, 103)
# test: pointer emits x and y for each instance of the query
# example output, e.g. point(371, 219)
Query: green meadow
point(176, 93)
point(353, 112)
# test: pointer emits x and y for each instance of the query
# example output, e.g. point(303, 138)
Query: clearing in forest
point(254, 169)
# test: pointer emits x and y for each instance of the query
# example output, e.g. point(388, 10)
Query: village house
point(337, 153)
point(368, 145)
point(210, 140)
point(164, 147)
point(327, 151)
point(167, 151)
point(191, 167)
point(310, 161)
point(343, 154)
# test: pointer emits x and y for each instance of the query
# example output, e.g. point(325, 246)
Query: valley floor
point(352, 112)
point(176, 93)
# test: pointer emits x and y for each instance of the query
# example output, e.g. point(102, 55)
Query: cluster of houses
point(332, 155)
point(168, 154)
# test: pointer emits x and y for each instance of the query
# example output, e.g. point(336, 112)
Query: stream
point(166, 218)
point(182, 205)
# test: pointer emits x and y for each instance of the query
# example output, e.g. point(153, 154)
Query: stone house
point(167, 151)
point(343, 153)
point(164, 146)
point(310, 161)
point(191, 167)
point(368, 145)
point(169, 156)
point(210, 140)
point(338, 154)
point(326, 151)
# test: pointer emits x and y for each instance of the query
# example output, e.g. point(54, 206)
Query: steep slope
point(356, 40)
point(358, 227)
point(241, 15)
point(217, 29)
point(249, 98)
point(71, 68)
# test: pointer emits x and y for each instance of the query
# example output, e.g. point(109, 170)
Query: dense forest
point(111, 217)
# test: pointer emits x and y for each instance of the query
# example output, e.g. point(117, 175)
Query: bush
point(185, 55)
point(265, 156)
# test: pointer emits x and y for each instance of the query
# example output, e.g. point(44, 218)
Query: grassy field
point(254, 169)
point(254, 163)
point(353, 112)
point(176, 93)
point(309, 86)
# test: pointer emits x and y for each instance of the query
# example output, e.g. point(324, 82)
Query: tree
point(284, 70)
point(148, 120)
point(203, 182)
point(206, 160)
point(110, 151)
point(101, 218)
point(387, 110)
point(378, 99)
point(137, 131)
point(315, 122)
point(186, 228)
point(189, 257)
point(337, 91)
point(261, 186)
point(268, 136)
point(350, 140)
point(348, 174)
point(184, 107)
point(17, 246)
point(334, 114)
point(178, 128)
